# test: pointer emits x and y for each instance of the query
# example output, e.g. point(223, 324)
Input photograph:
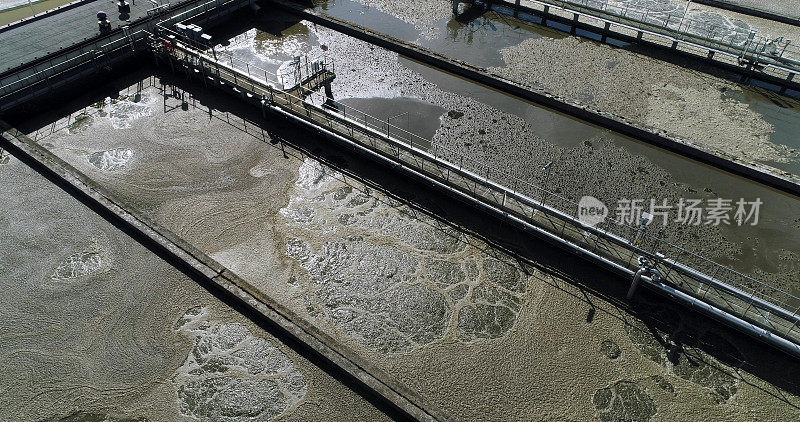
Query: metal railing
point(617, 245)
point(204, 11)
point(304, 68)
point(25, 84)
point(291, 75)
point(717, 33)
point(17, 88)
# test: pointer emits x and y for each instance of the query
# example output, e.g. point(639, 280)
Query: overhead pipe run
point(267, 97)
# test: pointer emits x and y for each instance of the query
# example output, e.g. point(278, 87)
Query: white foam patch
point(79, 264)
point(123, 112)
point(5, 157)
point(110, 160)
point(395, 280)
point(260, 170)
point(231, 375)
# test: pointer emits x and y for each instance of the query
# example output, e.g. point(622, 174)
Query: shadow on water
point(677, 332)
point(782, 113)
point(276, 25)
point(672, 326)
point(470, 11)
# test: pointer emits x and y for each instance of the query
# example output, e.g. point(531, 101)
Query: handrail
point(677, 26)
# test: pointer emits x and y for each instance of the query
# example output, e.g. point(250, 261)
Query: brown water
point(446, 313)
point(763, 248)
point(385, 96)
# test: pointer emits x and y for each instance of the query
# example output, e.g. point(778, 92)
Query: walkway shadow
point(667, 323)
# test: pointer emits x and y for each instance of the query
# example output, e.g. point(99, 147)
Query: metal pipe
point(647, 272)
point(636, 279)
point(765, 336)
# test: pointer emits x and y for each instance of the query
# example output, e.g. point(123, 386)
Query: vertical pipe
point(635, 283)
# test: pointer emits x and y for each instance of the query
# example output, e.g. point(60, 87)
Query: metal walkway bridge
point(763, 311)
point(756, 308)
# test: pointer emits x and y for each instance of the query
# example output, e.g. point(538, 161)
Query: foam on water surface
point(80, 264)
point(393, 279)
point(624, 401)
point(125, 110)
point(119, 112)
point(231, 375)
point(675, 16)
point(110, 160)
point(686, 361)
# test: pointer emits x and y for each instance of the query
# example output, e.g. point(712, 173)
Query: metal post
point(794, 324)
point(749, 41)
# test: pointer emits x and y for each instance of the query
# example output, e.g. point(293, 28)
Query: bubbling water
point(110, 160)
point(394, 280)
point(231, 375)
point(80, 264)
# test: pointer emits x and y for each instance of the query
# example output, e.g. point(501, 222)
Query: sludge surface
point(79, 264)
point(624, 401)
point(686, 361)
point(92, 417)
point(110, 160)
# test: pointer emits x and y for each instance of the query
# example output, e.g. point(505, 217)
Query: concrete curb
point(186, 257)
point(763, 174)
